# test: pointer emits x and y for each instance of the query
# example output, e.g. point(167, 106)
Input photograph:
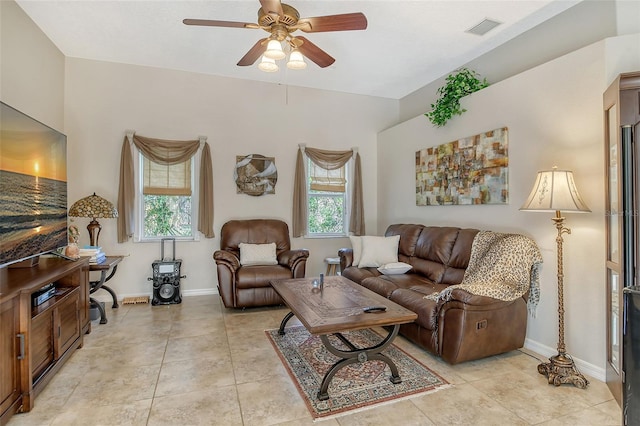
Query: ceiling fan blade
point(313, 52)
point(254, 53)
point(210, 23)
point(344, 22)
point(271, 7)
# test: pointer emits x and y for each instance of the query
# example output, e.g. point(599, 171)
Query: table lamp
point(93, 207)
point(555, 190)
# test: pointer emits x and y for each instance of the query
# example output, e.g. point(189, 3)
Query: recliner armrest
point(227, 258)
point(290, 258)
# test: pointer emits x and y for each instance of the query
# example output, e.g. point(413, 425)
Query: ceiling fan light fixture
point(296, 60)
point(274, 50)
point(267, 64)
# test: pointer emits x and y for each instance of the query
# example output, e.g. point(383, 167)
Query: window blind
point(166, 180)
point(321, 179)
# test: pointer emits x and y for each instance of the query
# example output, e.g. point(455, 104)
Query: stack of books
point(94, 252)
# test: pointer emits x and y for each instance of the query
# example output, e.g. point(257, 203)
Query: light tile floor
point(198, 363)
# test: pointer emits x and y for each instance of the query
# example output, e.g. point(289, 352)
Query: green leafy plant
point(459, 84)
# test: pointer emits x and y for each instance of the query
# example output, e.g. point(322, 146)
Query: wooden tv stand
point(36, 341)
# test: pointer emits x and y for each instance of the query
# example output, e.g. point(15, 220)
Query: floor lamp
point(555, 190)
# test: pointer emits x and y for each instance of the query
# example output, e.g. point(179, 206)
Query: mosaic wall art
point(472, 170)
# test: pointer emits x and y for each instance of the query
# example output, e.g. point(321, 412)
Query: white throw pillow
point(258, 254)
point(378, 251)
point(356, 245)
point(395, 268)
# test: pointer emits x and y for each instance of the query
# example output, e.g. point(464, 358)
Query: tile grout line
point(164, 354)
point(233, 369)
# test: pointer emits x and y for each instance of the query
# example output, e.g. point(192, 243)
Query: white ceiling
point(407, 44)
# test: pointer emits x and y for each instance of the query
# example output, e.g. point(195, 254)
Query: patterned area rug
point(357, 386)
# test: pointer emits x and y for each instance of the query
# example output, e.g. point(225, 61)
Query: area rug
point(356, 387)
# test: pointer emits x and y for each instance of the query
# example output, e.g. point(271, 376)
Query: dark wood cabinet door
point(67, 327)
point(10, 349)
point(41, 344)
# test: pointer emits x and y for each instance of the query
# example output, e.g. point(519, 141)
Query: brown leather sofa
point(249, 286)
point(465, 328)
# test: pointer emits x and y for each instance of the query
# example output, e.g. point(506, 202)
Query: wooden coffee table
point(339, 307)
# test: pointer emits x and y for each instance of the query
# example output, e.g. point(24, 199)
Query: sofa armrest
point(224, 257)
point(472, 299)
point(346, 258)
point(291, 258)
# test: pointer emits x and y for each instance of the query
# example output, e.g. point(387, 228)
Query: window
point(327, 201)
point(166, 200)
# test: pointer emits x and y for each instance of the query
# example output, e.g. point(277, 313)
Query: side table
point(332, 265)
point(110, 263)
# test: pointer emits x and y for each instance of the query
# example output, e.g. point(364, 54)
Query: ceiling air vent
point(483, 27)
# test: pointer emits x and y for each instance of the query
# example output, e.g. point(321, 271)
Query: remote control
point(374, 309)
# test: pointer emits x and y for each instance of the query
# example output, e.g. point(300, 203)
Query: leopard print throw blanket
point(502, 266)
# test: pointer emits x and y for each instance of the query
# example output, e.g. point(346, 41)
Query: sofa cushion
point(356, 247)
point(254, 231)
point(377, 251)
point(408, 238)
point(356, 274)
point(395, 268)
point(460, 255)
point(433, 250)
point(413, 299)
point(258, 254)
point(379, 285)
point(260, 276)
point(385, 285)
point(435, 243)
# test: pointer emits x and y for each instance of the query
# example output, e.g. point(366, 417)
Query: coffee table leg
point(284, 323)
point(373, 353)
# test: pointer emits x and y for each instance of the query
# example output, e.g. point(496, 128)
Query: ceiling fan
point(281, 20)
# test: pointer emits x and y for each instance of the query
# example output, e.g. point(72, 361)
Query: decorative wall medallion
point(472, 170)
point(255, 174)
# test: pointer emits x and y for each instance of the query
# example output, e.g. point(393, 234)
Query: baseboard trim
point(106, 297)
point(584, 367)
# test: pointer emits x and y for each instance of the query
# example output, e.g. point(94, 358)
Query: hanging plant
point(458, 84)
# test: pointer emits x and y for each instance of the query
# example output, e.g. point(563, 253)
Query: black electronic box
point(166, 277)
point(43, 294)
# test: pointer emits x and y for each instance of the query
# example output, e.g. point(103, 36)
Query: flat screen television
point(33, 187)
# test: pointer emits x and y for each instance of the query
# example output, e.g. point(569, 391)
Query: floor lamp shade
point(93, 207)
point(555, 190)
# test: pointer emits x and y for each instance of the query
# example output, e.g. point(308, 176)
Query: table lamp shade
point(555, 190)
point(93, 207)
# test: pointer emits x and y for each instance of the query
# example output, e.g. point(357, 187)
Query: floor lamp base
point(561, 369)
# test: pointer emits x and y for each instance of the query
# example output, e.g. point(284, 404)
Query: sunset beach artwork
point(33, 187)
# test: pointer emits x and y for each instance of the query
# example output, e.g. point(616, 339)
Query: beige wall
point(554, 116)
point(239, 117)
point(31, 68)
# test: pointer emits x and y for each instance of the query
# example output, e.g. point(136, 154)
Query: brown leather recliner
point(248, 286)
